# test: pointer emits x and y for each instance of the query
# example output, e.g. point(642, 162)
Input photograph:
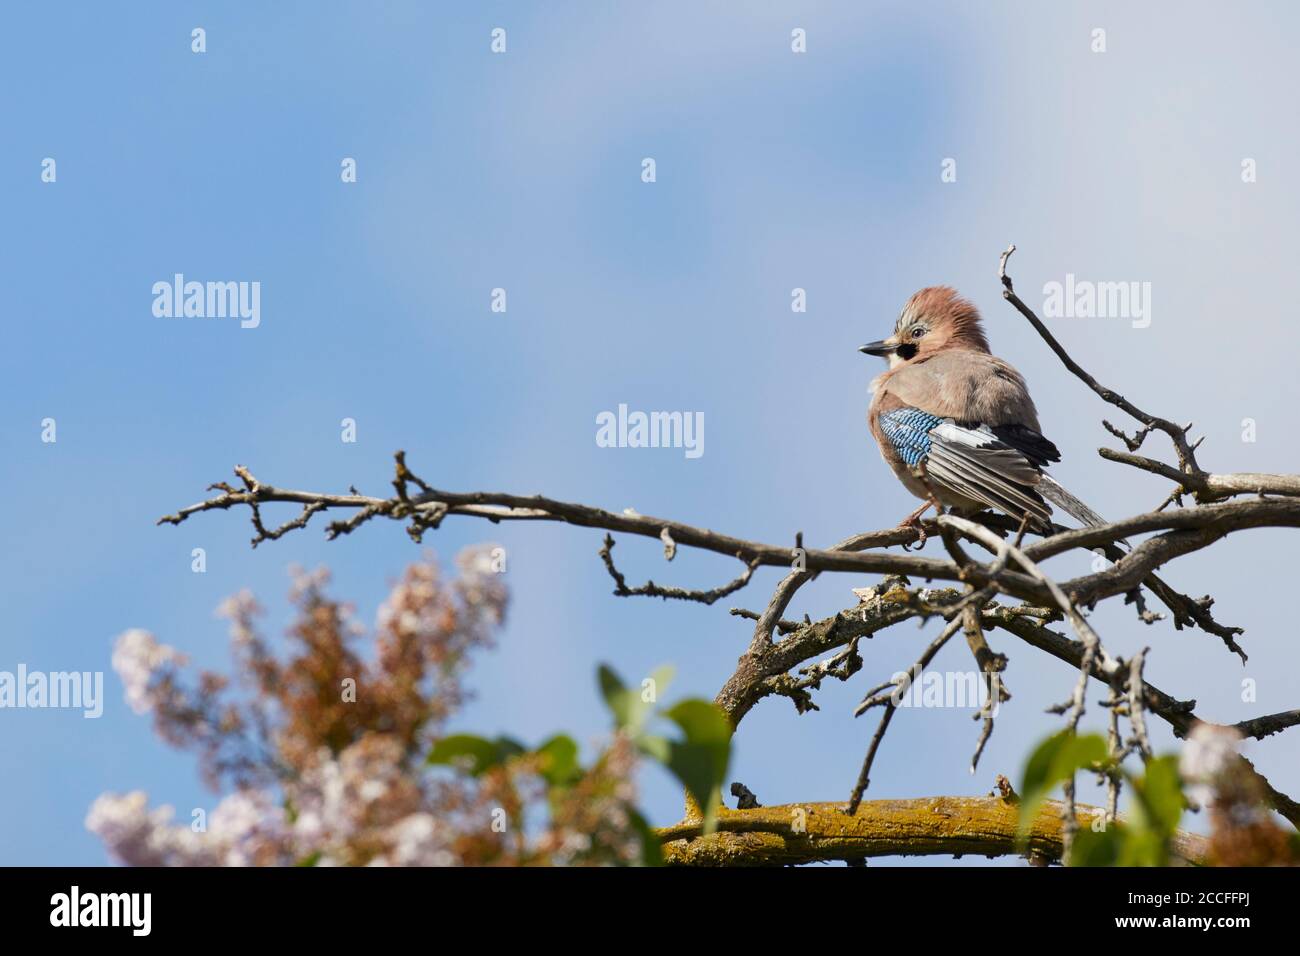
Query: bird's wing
point(908, 431)
point(975, 463)
point(1041, 451)
point(969, 460)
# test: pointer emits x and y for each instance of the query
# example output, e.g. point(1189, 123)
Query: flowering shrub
point(325, 754)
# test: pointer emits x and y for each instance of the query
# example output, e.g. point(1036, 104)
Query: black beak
point(878, 348)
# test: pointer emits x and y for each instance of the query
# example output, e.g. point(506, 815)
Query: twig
point(991, 666)
point(650, 589)
point(1207, 487)
point(892, 706)
point(1179, 714)
point(1091, 642)
point(782, 625)
point(1186, 451)
point(1261, 727)
point(1136, 704)
point(1115, 748)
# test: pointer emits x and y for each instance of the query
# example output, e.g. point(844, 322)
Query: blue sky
point(522, 171)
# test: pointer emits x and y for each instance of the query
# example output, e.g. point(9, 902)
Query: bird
point(956, 423)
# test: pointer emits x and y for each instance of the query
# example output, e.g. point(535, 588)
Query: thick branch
point(1208, 487)
point(804, 833)
point(766, 673)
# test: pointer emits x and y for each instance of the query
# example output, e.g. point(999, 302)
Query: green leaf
point(652, 853)
point(1155, 811)
point(628, 704)
point(1160, 795)
point(662, 677)
point(474, 754)
point(1053, 762)
point(1093, 848)
point(698, 768)
point(655, 747)
point(625, 703)
point(610, 683)
point(700, 762)
point(1142, 847)
point(702, 721)
point(559, 764)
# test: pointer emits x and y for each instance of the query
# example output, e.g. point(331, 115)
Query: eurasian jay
point(956, 423)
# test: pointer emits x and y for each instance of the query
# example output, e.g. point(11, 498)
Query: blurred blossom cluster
point(323, 753)
point(1242, 829)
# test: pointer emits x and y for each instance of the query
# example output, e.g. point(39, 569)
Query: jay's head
point(934, 319)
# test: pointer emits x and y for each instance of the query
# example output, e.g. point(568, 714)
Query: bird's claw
point(914, 522)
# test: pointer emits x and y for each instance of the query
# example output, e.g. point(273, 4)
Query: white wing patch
point(974, 463)
point(951, 432)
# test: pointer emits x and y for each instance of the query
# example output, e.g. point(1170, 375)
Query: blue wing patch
point(908, 430)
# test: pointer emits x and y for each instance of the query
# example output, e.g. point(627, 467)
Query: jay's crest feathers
point(956, 423)
point(950, 320)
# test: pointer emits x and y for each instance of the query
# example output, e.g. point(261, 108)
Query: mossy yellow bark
point(803, 833)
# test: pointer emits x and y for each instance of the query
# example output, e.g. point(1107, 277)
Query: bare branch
point(991, 666)
point(1179, 714)
point(1207, 487)
point(782, 625)
point(1092, 643)
point(650, 589)
point(1261, 727)
point(891, 706)
point(1186, 451)
point(299, 522)
point(1136, 703)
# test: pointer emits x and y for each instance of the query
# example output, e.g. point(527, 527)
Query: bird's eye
point(918, 332)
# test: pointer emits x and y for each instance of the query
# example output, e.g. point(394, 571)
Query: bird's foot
point(913, 521)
